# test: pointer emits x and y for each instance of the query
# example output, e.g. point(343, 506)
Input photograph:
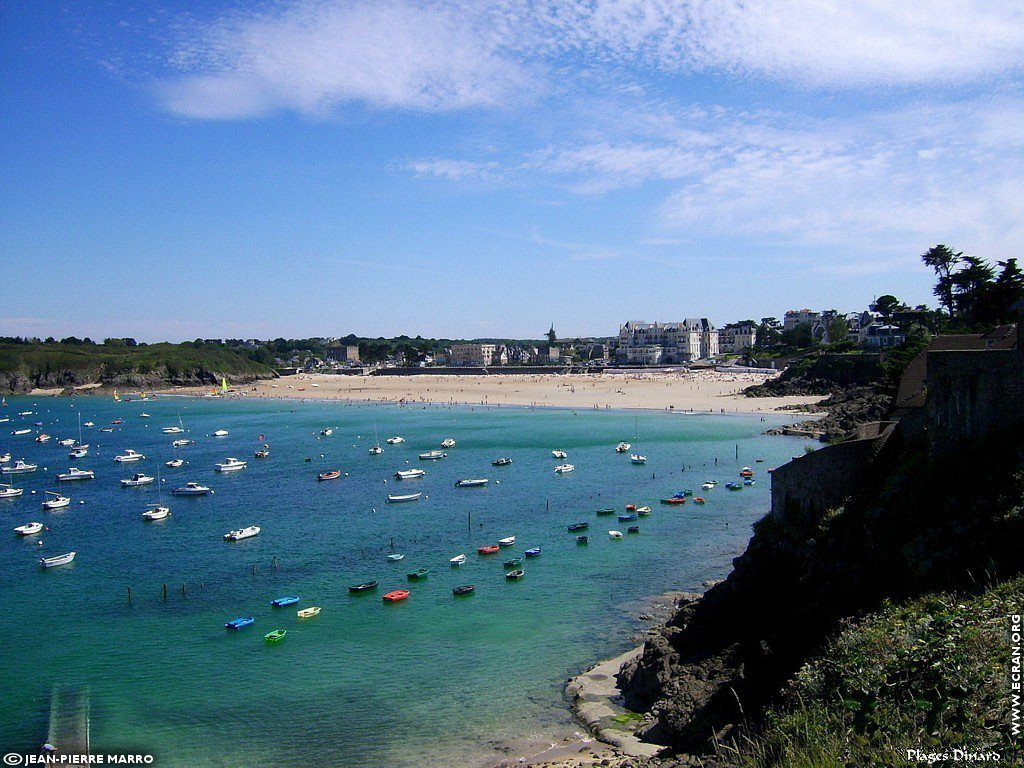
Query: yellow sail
point(117, 397)
point(223, 384)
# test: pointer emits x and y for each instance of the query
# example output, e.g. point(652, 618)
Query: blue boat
point(245, 621)
point(532, 552)
point(283, 601)
point(627, 518)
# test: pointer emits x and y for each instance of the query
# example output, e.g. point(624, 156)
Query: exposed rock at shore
point(69, 381)
point(847, 409)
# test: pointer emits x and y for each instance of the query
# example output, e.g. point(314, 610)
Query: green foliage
point(969, 289)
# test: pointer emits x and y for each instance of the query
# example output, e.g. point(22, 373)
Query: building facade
point(343, 354)
point(737, 338)
point(468, 355)
point(643, 343)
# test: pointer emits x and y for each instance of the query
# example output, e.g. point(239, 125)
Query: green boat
point(417, 575)
point(275, 635)
point(515, 562)
point(606, 511)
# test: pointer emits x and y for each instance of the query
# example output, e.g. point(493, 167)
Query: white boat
point(51, 562)
point(21, 431)
point(174, 463)
point(458, 560)
point(182, 443)
point(191, 489)
point(242, 533)
point(398, 498)
point(409, 474)
point(622, 447)
point(42, 438)
point(508, 541)
point(327, 432)
point(471, 483)
point(89, 424)
point(4, 458)
point(9, 491)
point(25, 413)
point(57, 502)
point(637, 458)
point(430, 455)
point(74, 473)
point(230, 464)
point(143, 415)
point(448, 443)
point(78, 452)
point(709, 484)
point(172, 430)
point(395, 440)
point(560, 454)
point(221, 433)
point(129, 455)
point(395, 557)
point(18, 468)
point(29, 529)
point(136, 480)
point(156, 513)
point(67, 442)
point(563, 468)
point(615, 534)
point(376, 450)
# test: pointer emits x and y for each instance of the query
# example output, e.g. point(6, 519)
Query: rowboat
point(396, 595)
point(515, 562)
point(417, 574)
point(430, 455)
point(174, 463)
point(515, 575)
point(733, 486)
point(698, 500)
point(463, 589)
point(9, 491)
point(606, 511)
point(67, 443)
point(326, 432)
point(643, 511)
point(745, 472)
point(749, 481)
point(275, 636)
point(395, 557)
point(633, 529)
point(308, 613)
point(136, 480)
point(332, 474)
point(563, 468)
point(244, 621)
point(457, 560)
point(409, 474)
point(398, 498)
point(129, 455)
point(42, 438)
point(615, 534)
point(191, 489)
point(508, 541)
point(281, 602)
point(364, 587)
point(535, 552)
point(262, 453)
point(474, 483)
point(156, 513)
point(582, 526)
point(707, 485)
point(221, 433)
point(53, 562)
point(674, 500)
point(242, 533)
point(29, 529)
point(21, 431)
point(502, 462)
point(628, 517)
point(489, 549)
point(57, 502)
point(582, 539)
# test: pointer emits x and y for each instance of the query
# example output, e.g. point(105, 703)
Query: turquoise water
point(433, 680)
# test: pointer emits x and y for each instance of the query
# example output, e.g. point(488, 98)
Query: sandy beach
point(697, 391)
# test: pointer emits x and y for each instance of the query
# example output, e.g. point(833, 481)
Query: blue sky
point(466, 169)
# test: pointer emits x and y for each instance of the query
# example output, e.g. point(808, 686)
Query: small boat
point(129, 455)
point(18, 468)
point(582, 539)
point(395, 557)
point(615, 534)
point(117, 421)
point(409, 474)
point(628, 517)
point(396, 595)
point(308, 613)
point(707, 485)
point(143, 415)
point(399, 498)
point(78, 453)
point(221, 433)
point(191, 489)
point(156, 513)
point(25, 413)
point(230, 464)
point(281, 602)
point(637, 458)
point(332, 474)
point(734, 486)
point(366, 586)
point(262, 453)
point(29, 529)
point(432, 455)
point(42, 438)
point(448, 443)
point(10, 492)
point(457, 560)
point(182, 443)
point(515, 562)
point(698, 500)
point(674, 500)
point(515, 575)
point(560, 454)
point(749, 481)
point(631, 507)
point(4, 458)
point(463, 589)
point(174, 463)
point(642, 511)
point(508, 541)
point(172, 430)
point(21, 431)
point(89, 424)
point(74, 473)
point(502, 462)
point(136, 480)
point(605, 511)
point(420, 573)
point(489, 549)
point(581, 526)
point(535, 552)
point(563, 468)
point(242, 533)
point(66, 443)
point(326, 432)
point(275, 635)
point(376, 450)
point(622, 447)
point(472, 483)
point(395, 440)
point(633, 529)
point(745, 472)
point(57, 502)
point(687, 492)
point(52, 562)
point(106, 429)
point(245, 621)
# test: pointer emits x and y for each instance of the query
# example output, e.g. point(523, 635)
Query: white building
point(795, 317)
point(736, 338)
point(467, 355)
point(643, 343)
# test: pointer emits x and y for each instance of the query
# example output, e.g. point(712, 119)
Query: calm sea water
point(435, 680)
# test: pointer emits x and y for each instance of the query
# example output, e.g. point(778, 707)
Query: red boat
point(334, 474)
point(490, 549)
point(674, 500)
point(398, 594)
point(746, 472)
point(631, 507)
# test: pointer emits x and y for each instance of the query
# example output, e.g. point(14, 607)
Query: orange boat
point(746, 472)
point(490, 549)
point(698, 500)
point(398, 594)
point(631, 507)
point(334, 474)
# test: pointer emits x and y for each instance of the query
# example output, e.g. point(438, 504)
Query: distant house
point(879, 335)
point(472, 355)
point(343, 354)
point(642, 343)
point(795, 317)
point(736, 338)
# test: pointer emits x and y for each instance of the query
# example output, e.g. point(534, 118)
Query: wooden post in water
point(273, 562)
point(165, 591)
point(129, 595)
point(184, 590)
